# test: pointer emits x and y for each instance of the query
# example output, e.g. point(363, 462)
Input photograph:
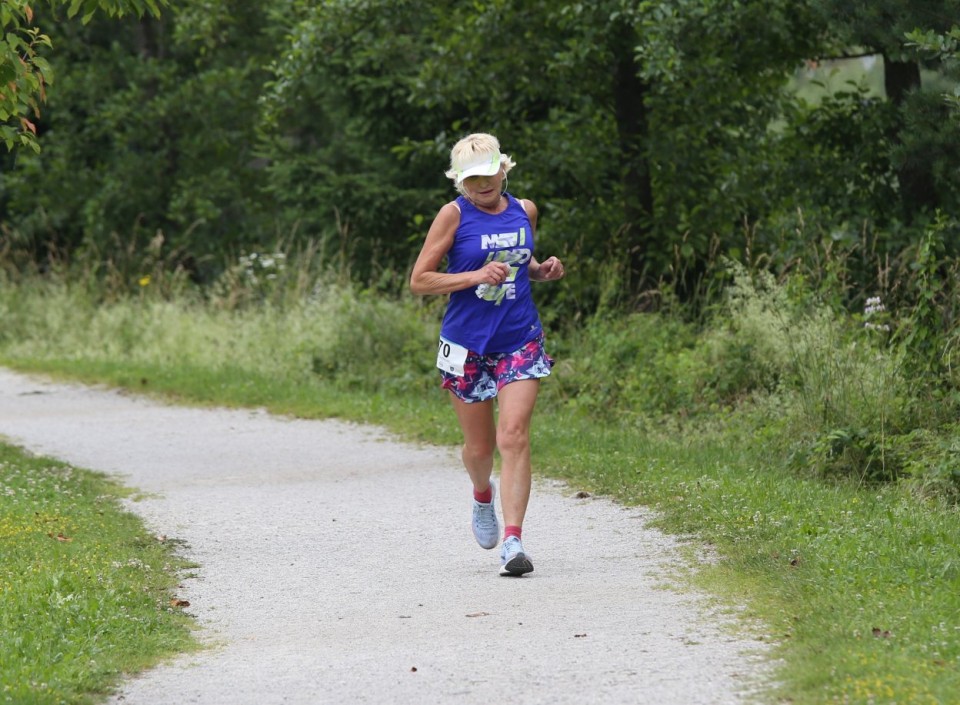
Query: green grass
point(84, 589)
point(854, 585)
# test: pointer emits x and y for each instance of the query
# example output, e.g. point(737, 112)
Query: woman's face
point(484, 190)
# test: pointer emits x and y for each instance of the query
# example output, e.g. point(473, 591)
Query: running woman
point(491, 340)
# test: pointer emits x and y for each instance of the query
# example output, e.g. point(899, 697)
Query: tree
point(652, 133)
point(153, 126)
point(915, 133)
point(25, 73)
point(351, 162)
point(943, 48)
point(649, 113)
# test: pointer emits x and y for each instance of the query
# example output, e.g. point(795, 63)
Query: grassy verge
point(857, 585)
point(758, 434)
point(84, 589)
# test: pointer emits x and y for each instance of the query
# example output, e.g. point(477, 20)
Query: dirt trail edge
point(337, 565)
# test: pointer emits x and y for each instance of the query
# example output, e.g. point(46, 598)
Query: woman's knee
point(513, 438)
point(478, 450)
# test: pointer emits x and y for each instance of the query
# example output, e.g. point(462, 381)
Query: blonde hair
point(471, 146)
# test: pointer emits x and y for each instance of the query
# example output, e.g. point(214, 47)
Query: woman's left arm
point(552, 268)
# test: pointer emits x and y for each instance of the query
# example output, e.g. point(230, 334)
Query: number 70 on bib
point(451, 357)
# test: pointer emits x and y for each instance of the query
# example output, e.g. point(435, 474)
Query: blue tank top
point(492, 319)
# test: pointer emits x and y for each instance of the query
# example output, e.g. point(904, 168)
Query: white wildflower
point(874, 305)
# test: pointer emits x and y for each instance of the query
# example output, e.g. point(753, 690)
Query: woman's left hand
point(550, 269)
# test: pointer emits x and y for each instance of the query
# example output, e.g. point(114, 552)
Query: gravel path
point(337, 565)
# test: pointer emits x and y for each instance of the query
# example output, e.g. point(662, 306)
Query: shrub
point(376, 343)
point(631, 365)
point(831, 386)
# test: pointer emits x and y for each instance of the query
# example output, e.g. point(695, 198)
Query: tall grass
point(847, 394)
point(335, 332)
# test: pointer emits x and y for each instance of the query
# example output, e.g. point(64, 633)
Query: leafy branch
point(941, 47)
point(25, 73)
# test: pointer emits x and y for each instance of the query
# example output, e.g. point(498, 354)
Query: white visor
point(482, 165)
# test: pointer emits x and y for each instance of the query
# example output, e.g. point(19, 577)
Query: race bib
point(450, 357)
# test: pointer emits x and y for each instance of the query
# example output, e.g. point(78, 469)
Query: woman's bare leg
point(516, 401)
point(479, 439)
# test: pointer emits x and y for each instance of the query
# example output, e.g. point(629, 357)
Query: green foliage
point(711, 145)
point(930, 326)
point(376, 343)
point(833, 394)
point(634, 366)
point(763, 341)
point(351, 163)
point(839, 157)
point(828, 391)
point(880, 25)
point(944, 48)
point(274, 315)
point(25, 73)
point(839, 395)
point(929, 137)
point(162, 141)
point(655, 137)
point(696, 137)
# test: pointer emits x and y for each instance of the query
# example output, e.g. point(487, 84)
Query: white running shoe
point(486, 528)
point(513, 559)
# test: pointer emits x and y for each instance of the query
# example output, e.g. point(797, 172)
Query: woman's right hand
point(493, 273)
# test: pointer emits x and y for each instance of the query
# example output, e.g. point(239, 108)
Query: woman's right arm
point(425, 278)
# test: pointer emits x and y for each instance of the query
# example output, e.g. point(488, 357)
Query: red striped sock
point(484, 497)
point(509, 531)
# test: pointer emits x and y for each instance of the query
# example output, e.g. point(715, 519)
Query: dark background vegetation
point(655, 136)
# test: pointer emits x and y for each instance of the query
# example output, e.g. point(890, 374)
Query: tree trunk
point(916, 182)
point(631, 114)
point(899, 78)
point(150, 39)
